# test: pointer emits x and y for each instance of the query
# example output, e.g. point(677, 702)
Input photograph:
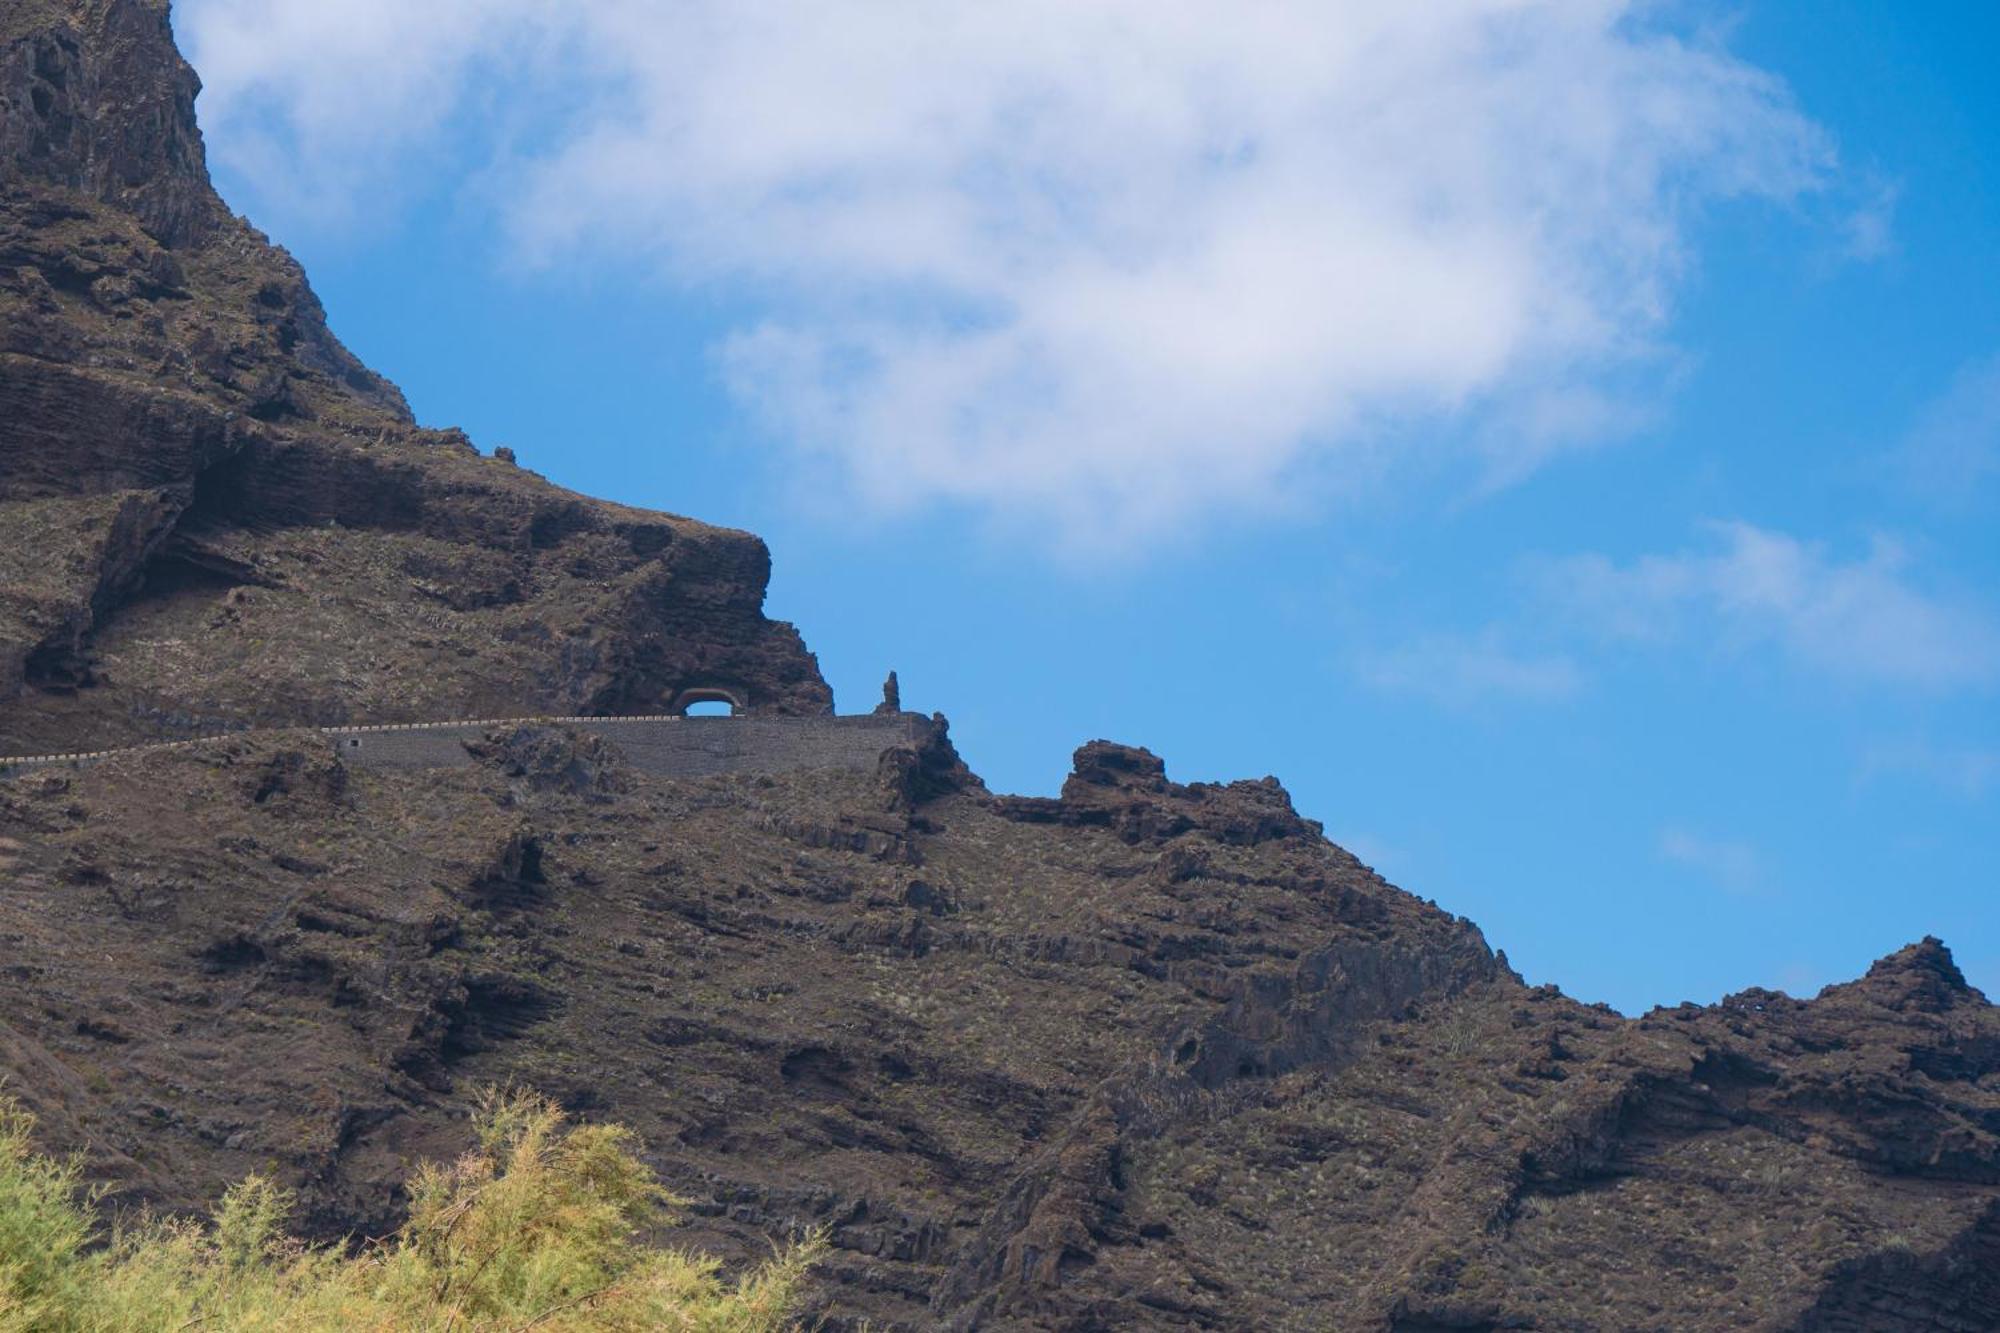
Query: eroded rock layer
point(211, 515)
point(1147, 1056)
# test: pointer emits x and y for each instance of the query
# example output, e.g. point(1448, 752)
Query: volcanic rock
point(212, 516)
point(1146, 1055)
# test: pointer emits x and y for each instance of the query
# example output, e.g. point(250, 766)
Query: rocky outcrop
point(1125, 789)
point(97, 102)
point(1897, 1290)
point(212, 515)
point(1187, 1068)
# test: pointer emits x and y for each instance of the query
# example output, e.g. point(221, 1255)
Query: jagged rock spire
point(892, 696)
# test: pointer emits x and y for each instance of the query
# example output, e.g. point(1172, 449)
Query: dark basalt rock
point(1030, 1072)
point(212, 515)
point(1103, 767)
point(1146, 1055)
point(1921, 977)
point(555, 759)
point(915, 774)
point(1125, 788)
point(98, 102)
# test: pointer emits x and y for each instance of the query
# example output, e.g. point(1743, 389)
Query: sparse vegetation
point(543, 1226)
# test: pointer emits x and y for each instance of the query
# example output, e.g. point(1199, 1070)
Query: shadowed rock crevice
point(493, 1010)
point(1901, 1290)
point(515, 880)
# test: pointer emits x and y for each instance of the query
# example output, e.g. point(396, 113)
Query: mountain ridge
point(1143, 1054)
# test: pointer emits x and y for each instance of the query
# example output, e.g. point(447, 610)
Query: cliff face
point(1147, 1056)
point(1150, 1055)
point(99, 103)
point(212, 515)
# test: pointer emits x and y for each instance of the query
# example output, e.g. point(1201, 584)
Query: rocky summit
point(1143, 1056)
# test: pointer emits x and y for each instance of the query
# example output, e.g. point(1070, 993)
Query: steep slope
point(211, 515)
point(1145, 1056)
point(1149, 1055)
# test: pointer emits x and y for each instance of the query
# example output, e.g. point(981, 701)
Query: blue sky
point(1561, 439)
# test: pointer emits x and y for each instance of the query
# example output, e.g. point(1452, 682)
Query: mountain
point(1146, 1055)
point(215, 517)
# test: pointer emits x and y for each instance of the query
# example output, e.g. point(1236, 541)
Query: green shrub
point(540, 1227)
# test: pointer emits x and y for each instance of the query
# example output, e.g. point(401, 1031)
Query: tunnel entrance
point(708, 701)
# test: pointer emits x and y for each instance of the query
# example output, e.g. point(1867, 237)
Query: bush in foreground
point(540, 1227)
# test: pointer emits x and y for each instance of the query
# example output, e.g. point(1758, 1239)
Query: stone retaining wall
point(664, 746)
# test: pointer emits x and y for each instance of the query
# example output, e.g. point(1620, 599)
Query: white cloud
point(1728, 864)
point(1953, 454)
point(318, 104)
point(1864, 619)
point(1463, 672)
point(1103, 266)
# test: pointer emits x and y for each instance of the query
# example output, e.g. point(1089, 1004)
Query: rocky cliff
point(1148, 1055)
point(211, 515)
point(1144, 1056)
